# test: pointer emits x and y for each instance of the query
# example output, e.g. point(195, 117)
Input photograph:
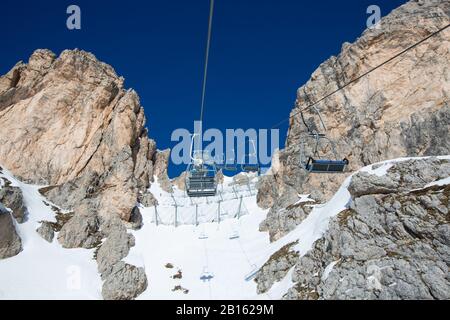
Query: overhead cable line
point(208, 45)
point(361, 76)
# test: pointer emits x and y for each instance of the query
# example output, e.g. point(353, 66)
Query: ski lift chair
point(315, 164)
point(206, 275)
point(252, 274)
point(201, 182)
point(251, 167)
point(229, 164)
point(326, 166)
point(201, 175)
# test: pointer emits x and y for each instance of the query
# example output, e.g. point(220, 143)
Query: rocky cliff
point(68, 123)
point(391, 243)
point(392, 240)
point(401, 109)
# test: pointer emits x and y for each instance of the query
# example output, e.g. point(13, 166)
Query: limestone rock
point(125, 282)
point(46, 231)
point(10, 242)
point(147, 199)
point(81, 231)
point(12, 198)
point(69, 123)
point(385, 245)
point(114, 248)
point(160, 170)
point(180, 181)
point(399, 110)
point(276, 268)
point(76, 125)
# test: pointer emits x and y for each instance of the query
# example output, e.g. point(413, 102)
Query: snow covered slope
point(45, 270)
point(175, 258)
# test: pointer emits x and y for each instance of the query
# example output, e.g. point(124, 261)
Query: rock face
point(12, 198)
point(81, 231)
point(125, 282)
point(46, 231)
point(69, 123)
point(77, 127)
point(401, 109)
point(391, 243)
point(12, 208)
point(10, 243)
point(160, 170)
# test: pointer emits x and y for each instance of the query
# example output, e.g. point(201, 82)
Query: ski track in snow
point(47, 271)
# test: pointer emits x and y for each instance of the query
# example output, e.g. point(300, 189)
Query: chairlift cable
point(361, 76)
point(208, 45)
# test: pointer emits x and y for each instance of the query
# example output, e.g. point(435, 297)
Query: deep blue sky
point(262, 51)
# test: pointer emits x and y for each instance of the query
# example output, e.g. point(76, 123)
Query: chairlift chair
point(251, 167)
point(206, 275)
point(234, 234)
point(203, 236)
point(201, 182)
point(228, 165)
point(201, 175)
point(252, 274)
point(313, 163)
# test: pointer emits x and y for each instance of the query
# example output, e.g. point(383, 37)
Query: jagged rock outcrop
point(46, 232)
point(12, 208)
point(388, 244)
point(114, 248)
point(81, 231)
point(124, 283)
point(69, 123)
point(276, 268)
point(79, 130)
point(10, 242)
point(160, 170)
point(401, 109)
point(12, 198)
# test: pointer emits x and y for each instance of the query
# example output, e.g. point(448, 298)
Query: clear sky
point(261, 52)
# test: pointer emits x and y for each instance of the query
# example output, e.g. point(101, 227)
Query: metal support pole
point(176, 213)
point(234, 191)
point(249, 188)
point(196, 214)
point(218, 211)
point(240, 206)
point(156, 215)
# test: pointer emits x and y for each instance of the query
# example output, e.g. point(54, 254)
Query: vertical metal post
point(218, 212)
point(240, 205)
point(234, 191)
point(196, 214)
point(156, 215)
point(176, 213)
point(249, 188)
